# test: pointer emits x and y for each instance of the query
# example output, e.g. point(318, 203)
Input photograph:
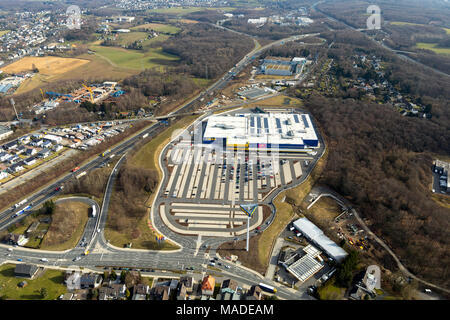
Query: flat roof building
point(288, 132)
point(315, 235)
point(5, 132)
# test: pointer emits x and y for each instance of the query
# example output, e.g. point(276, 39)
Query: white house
point(3, 175)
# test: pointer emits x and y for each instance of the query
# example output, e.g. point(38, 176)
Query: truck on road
point(20, 203)
point(267, 288)
point(105, 153)
point(78, 176)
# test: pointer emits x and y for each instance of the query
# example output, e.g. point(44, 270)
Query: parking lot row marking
point(287, 173)
point(206, 215)
point(298, 169)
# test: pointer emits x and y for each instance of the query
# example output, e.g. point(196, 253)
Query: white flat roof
point(305, 267)
point(311, 231)
point(261, 128)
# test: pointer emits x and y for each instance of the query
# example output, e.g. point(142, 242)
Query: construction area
point(94, 93)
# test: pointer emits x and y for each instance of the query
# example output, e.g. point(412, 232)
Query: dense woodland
point(131, 191)
point(381, 161)
point(206, 51)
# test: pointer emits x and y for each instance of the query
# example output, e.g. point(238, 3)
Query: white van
point(44, 260)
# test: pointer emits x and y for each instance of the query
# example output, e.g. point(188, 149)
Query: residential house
point(72, 280)
point(228, 286)
point(116, 291)
point(30, 161)
point(90, 281)
point(57, 147)
point(207, 286)
point(30, 152)
point(21, 149)
point(47, 144)
point(4, 156)
point(33, 227)
point(160, 293)
point(24, 140)
point(140, 292)
point(181, 294)
point(13, 159)
point(44, 153)
point(16, 167)
point(3, 175)
point(16, 239)
point(188, 283)
point(25, 271)
point(10, 145)
point(255, 293)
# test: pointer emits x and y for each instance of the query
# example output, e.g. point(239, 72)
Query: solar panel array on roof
point(296, 118)
point(305, 121)
point(278, 123)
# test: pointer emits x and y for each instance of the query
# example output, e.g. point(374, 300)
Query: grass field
point(432, 47)
point(326, 209)
point(46, 65)
point(96, 67)
point(159, 27)
point(401, 23)
point(52, 280)
point(68, 240)
point(331, 292)
point(133, 59)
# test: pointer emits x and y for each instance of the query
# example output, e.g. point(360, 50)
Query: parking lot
point(204, 188)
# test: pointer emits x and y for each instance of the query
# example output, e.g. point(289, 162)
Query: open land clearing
point(158, 27)
point(133, 59)
point(67, 226)
point(52, 280)
point(433, 47)
point(46, 65)
point(94, 68)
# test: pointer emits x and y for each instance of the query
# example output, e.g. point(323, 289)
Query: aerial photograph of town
point(244, 154)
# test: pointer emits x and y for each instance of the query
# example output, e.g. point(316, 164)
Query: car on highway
point(44, 260)
point(19, 259)
point(76, 258)
point(227, 266)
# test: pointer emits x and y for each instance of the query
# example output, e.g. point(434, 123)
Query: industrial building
point(283, 132)
point(315, 235)
point(5, 132)
point(277, 66)
point(305, 264)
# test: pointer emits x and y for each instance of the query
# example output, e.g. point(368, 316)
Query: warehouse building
point(315, 235)
point(283, 132)
point(277, 66)
point(5, 132)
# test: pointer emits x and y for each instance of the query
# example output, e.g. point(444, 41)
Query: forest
point(381, 161)
point(206, 51)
